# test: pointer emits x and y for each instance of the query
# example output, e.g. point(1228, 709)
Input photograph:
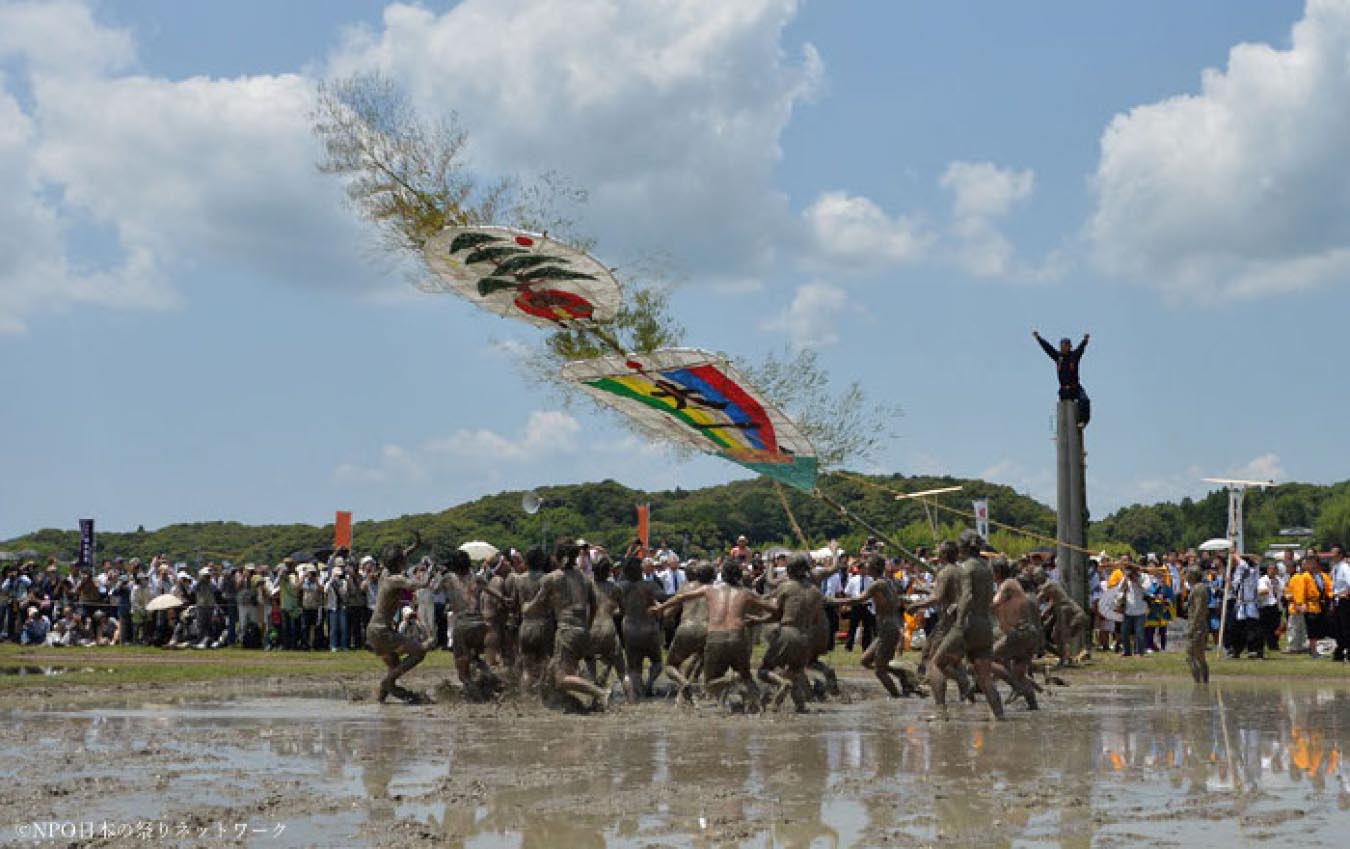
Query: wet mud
point(1102, 765)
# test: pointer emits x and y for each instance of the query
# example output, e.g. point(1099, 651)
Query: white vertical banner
point(982, 518)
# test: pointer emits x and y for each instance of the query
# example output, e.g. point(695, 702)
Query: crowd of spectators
point(1302, 603)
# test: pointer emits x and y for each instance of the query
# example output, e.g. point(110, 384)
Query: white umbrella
point(164, 602)
point(478, 550)
point(1216, 544)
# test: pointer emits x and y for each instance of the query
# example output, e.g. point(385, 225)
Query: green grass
point(123, 665)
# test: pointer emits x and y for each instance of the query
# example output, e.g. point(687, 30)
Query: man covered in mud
point(399, 653)
point(1197, 629)
point(642, 635)
point(942, 598)
point(499, 647)
point(469, 633)
point(792, 644)
point(535, 638)
point(883, 594)
point(726, 653)
point(1070, 622)
point(1019, 620)
point(604, 646)
point(686, 647)
point(972, 632)
point(571, 598)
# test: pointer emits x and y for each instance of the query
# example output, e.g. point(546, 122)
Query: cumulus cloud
point(668, 114)
point(854, 233)
point(852, 230)
point(547, 434)
point(1240, 190)
point(181, 174)
point(808, 320)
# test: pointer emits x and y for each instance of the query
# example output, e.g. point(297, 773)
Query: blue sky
point(192, 326)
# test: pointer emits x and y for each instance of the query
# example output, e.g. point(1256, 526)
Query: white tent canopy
point(1216, 544)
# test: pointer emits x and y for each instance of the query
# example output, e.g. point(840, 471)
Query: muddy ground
point(271, 764)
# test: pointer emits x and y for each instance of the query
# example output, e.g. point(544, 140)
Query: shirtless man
point(1019, 620)
point(605, 646)
point(972, 633)
point(1197, 628)
point(1070, 621)
point(798, 603)
point(943, 598)
point(641, 630)
point(571, 599)
point(726, 657)
point(536, 628)
point(469, 634)
point(381, 635)
point(885, 597)
point(686, 649)
point(498, 646)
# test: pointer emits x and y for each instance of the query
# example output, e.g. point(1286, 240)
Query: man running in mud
point(469, 634)
point(1197, 628)
point(726, 653)
point(884, 595)
point(571, 598)
point(1019, 620)
point(1070, 622)
point(943, 598)
point(537, 627)
point(792, 645)
point(686, 648)
point(381, 635)
point(605, 648)
point(972, 633)
point(642, 635)
point(499, 647)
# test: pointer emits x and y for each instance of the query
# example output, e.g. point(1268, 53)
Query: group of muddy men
point(558, 630)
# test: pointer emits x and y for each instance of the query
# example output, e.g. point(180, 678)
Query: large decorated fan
point(523, 275)
point(697, 399)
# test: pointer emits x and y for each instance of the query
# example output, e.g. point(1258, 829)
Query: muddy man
point(972, 634)
point(400, 653)
point(884, 596)
point(536, 627)
point(1197, 631)
point(1019, 620)
point(792, 646)
point(686, 650)
point(726, 651)
point(604, 647)
point(571, 598)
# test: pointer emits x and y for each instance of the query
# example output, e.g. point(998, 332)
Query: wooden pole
point(1071, 507)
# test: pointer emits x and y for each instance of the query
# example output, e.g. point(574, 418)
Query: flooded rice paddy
point(1102, 765)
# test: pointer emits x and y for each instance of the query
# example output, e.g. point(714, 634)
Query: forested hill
point(1158, 527)
point(602, 512)
point(705, 520)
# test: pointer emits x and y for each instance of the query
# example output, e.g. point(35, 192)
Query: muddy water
point(1124, 765)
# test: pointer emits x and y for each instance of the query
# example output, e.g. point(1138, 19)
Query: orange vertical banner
point(342, 530)
point(644, 526)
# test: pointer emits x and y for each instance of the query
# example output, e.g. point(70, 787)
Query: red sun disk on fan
point(554, 304)
point(525, 241)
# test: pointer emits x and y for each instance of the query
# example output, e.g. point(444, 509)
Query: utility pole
point(1237, 493)
point(1071, 507)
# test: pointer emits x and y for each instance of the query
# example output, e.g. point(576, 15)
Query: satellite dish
point(530, 502)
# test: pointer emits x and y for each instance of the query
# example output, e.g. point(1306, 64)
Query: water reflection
point(1097, 758)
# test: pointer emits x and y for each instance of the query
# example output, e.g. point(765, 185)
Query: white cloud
point(669, 113)
point(180, 175)
point(62, 36)
point(853, 231)
point(1190, 483)
point(1039, 484)
point(547, 434)
point(1267, 467)
point(1240, 190)
point(983, 193)
point(808, 321)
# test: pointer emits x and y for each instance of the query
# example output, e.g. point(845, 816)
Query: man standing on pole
point(1066, 364)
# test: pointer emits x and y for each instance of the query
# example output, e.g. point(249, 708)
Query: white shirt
point(1340, 578)
point(856, 586)
point(832, 585)
point(1266, 595)
point(671, 579)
